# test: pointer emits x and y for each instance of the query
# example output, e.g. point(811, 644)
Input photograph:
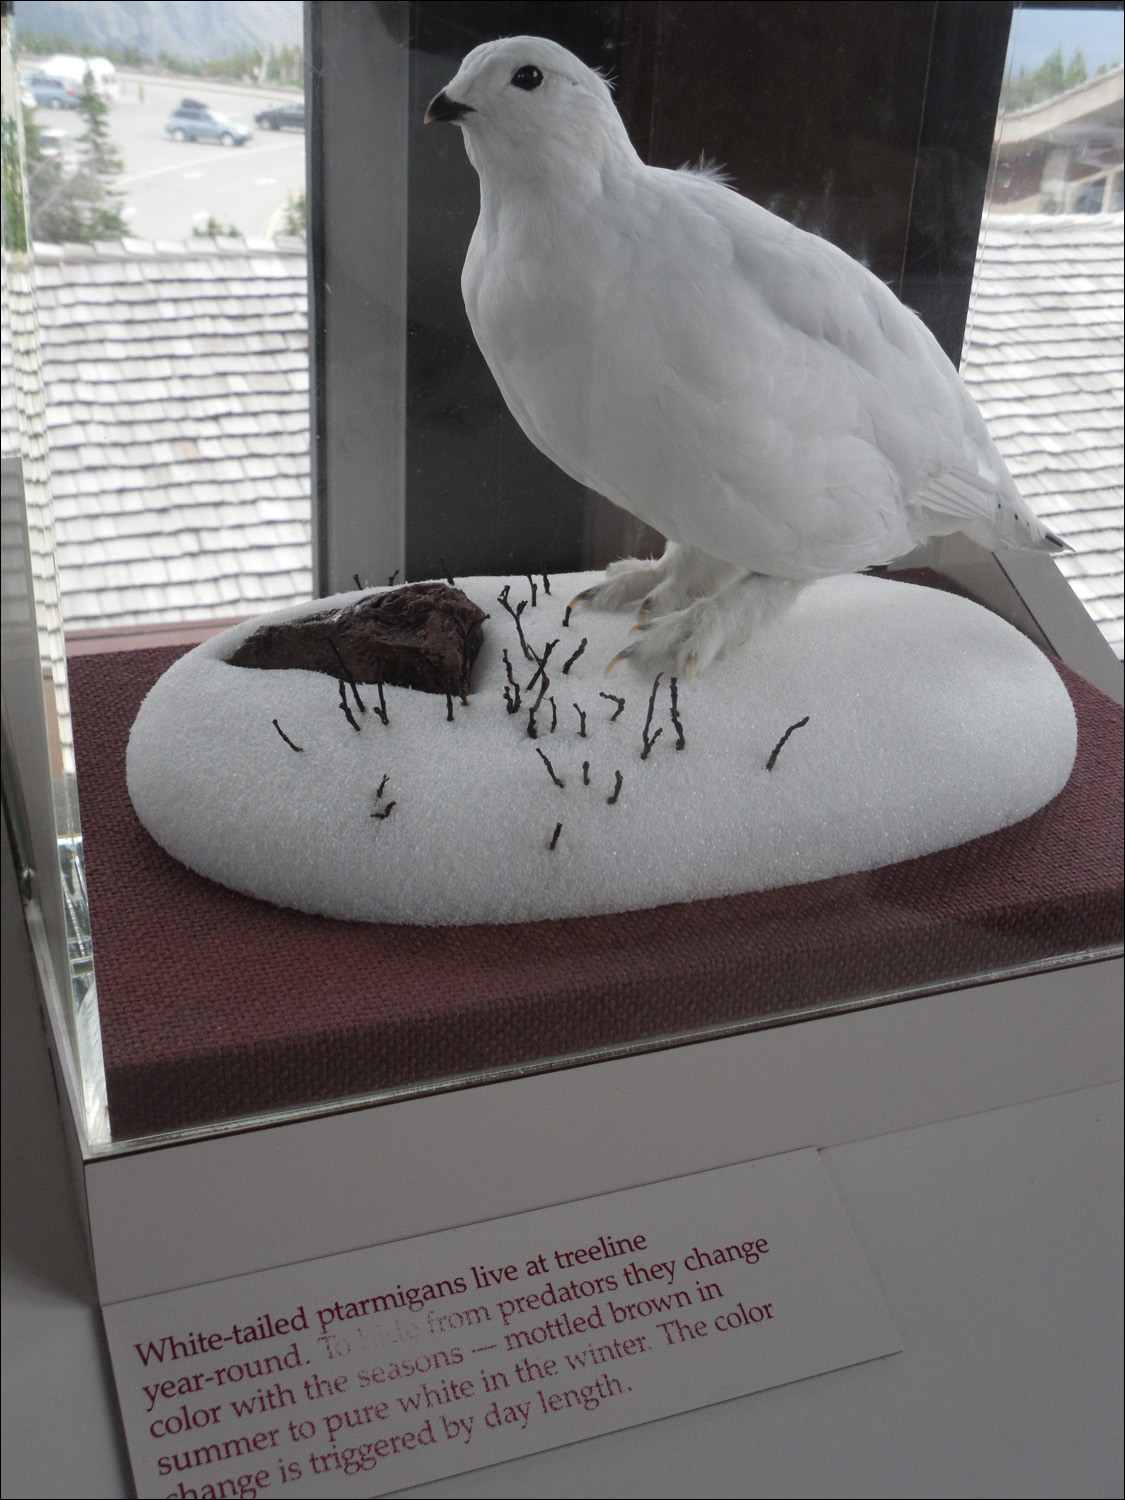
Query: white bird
point(745, 387)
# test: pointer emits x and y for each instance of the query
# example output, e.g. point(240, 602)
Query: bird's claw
point(621, 656)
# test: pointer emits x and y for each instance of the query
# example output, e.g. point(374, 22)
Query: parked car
point(289, 116)
point(199, 123)
point(56, 93)
point(75, 70)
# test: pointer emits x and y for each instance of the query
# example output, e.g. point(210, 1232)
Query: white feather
point(744, 387)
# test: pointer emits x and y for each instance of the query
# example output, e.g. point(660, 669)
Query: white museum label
point(376, 1369)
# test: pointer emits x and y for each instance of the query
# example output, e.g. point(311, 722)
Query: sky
point(1098, 34)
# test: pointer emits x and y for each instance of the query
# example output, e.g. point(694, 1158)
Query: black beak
point(442, 108)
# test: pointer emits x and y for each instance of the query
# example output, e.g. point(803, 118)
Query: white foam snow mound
point(930, 722)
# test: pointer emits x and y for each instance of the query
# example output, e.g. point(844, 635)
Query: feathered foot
point(680, 576)
point(625, 584)
point(687, 642)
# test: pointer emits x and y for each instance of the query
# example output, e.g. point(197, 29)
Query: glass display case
point(214, 1011)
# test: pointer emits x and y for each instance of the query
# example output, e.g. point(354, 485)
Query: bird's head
point(526, 104)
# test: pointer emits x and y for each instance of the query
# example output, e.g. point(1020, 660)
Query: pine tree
point(1052, 76)
point(100, 164)
point(75, 206)
point(1075, 72)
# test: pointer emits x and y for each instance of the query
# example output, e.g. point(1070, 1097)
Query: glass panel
point(873, 128)
point(1044, 352)
point(155, 355)
point(26, 438)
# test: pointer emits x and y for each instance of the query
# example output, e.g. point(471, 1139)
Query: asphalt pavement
point(174, 187)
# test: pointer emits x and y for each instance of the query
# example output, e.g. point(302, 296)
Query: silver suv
point(190, 121)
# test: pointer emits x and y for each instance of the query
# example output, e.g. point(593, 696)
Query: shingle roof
point(1045, 359)
point(177, 405)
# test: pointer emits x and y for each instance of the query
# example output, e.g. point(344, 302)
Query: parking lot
point(171, 187)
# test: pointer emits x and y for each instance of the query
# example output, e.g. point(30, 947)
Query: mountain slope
point(195, 30)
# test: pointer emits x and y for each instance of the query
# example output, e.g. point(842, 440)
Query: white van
point(74, 69)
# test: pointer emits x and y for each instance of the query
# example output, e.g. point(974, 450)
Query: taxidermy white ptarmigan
point(745, 387)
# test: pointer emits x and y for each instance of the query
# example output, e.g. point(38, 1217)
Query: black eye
point(527, 77)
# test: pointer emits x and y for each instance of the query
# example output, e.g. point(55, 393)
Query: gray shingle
point(179, 428)
point(1045, 359)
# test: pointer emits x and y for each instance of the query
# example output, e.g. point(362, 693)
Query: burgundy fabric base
point(215, 1004)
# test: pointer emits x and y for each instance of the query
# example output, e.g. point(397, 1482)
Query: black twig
point(542, 660)
point(676, 725)
point(650, 740)
point(566, 617)
point(464, 677)
point(550, 768)
point(554, 715)
point(555, 836)
point(618, 779)
point(534, 590)
point(351, 718)
point(528, 650)
point(448, 574)
point(581, 722)
point(513, 703)
point(532, 729)
point(386, 812)
point(382, 709)
point(572, 659)
point(300, 749)
point(515, 614)
point(585, 773)
point(381, 788)
point(391, 579)
point(651, 703)
point(358, 584)
point(502, 598)
point(613, 698)
point(546, 583)
point(359, 703)
point(776, 751)
point(449, 708)
point(508, 669)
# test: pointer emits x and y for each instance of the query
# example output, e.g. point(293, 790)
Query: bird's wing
point(784, 395)
point(912, 402)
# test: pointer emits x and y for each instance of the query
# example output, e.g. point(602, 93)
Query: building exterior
point(1063, 155)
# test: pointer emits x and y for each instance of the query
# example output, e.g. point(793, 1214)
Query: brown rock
point(422, 635)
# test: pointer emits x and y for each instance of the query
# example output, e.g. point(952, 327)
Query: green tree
point(74, 202)
point(215, 229)
point(99, 150)
point(53, 194)
point(1075, 72)
point(1049, 77)
point(1052, 76)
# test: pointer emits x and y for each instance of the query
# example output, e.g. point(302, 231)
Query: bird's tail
point(992, 514)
